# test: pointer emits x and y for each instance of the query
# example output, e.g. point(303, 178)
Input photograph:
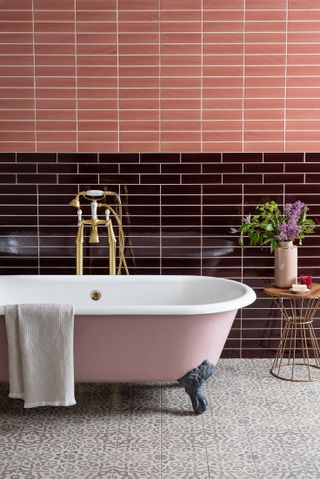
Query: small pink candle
point(307, 280)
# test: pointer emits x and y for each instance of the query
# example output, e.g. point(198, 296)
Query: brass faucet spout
point(94, 235)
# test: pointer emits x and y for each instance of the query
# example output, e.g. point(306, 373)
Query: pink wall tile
point(147, 59)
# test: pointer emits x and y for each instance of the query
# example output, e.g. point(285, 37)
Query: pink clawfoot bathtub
point(137, 328)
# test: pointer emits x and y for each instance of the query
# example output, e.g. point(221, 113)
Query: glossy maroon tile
point(201, 157)
point(283, 157)
point(119, 158)
point(159, 157)
point(7, 157)
point(37, 157)
point(77, 157)
point(241, 157)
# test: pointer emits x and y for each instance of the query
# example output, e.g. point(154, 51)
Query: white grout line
point(285, 83)
point(118, 76)
point(76, 75)
point(34, 81)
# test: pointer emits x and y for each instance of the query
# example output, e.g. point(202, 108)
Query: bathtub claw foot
point(192, 382)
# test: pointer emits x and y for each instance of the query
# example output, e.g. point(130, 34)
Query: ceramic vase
point(285, 264)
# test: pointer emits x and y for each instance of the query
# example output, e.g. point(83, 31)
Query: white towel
point(40, 347)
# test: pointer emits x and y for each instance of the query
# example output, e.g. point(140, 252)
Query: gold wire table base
point(301, 368)
point(298, 354)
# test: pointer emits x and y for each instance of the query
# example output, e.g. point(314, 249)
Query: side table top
point(274, 291)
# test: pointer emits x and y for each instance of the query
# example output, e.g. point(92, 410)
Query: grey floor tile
point(256, 427)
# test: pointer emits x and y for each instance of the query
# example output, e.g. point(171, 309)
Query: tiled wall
point(159, 75)
point(179, 212)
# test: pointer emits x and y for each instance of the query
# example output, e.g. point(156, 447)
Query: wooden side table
point(298, 355)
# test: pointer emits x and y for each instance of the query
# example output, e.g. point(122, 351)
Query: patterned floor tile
point(256, 427)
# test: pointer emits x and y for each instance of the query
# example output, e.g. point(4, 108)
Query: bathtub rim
point(247, 298)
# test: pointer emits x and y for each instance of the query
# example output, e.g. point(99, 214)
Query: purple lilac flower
point(288, 231)
point(293, 210)
point(247, 219)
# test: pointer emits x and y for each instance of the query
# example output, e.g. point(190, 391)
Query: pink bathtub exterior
point(132, 348)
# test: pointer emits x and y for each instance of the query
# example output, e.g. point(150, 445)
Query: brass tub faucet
point(98, 199)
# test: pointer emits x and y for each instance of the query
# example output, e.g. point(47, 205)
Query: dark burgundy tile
point(283, 157)
point(180, 241)
point(231, 353)
point(98, 168)
point(49, 220)
point(24, 262)
point(54, 230)
point(307, 189)
point(192, 271)
point(270, 344)
point(146, 263)
point(19, 270)
point(120, 178)
point(17, 168)
point(233, 344)
point(17, 221)
point(119, 158)
point(7, 157)
point(258, 262)
point(71, 179)
point(241, 157)
point(18, 210)
point(7, 179)
point(219, 242)
point(179, 252)
point(17, 251)
point(142, 210)
point(159, 157)
point(144, 220)
point(16, 200)
point(222, 210)
point(55, 199)
point(37, 178)
point(264, 168)
point(186, 210)
point(220, 252)
point(185, 262)
point(140, 168)
point(15, 230)
point(147, 200)
point(77, 157)
point(181, 168)
point(37, 157)
point(71, 190)
point(60, 270)
point(139, 190)
point(64, 262)
point(221, 168)
point(302, 167)
point(181, 220)
point(245, 178)
point(284, 178)
point(160, 179)
point(217, 230)
point(262, 190)
point(221, 220)
point(312, 178)
point(57, 210)
point(178, 190)
point(57, 168)
point(257, 353)
point(201, 179)
point(181, 199)
point(201, 157)
point(181, 230)
point(18, 242)
point(225, 190)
